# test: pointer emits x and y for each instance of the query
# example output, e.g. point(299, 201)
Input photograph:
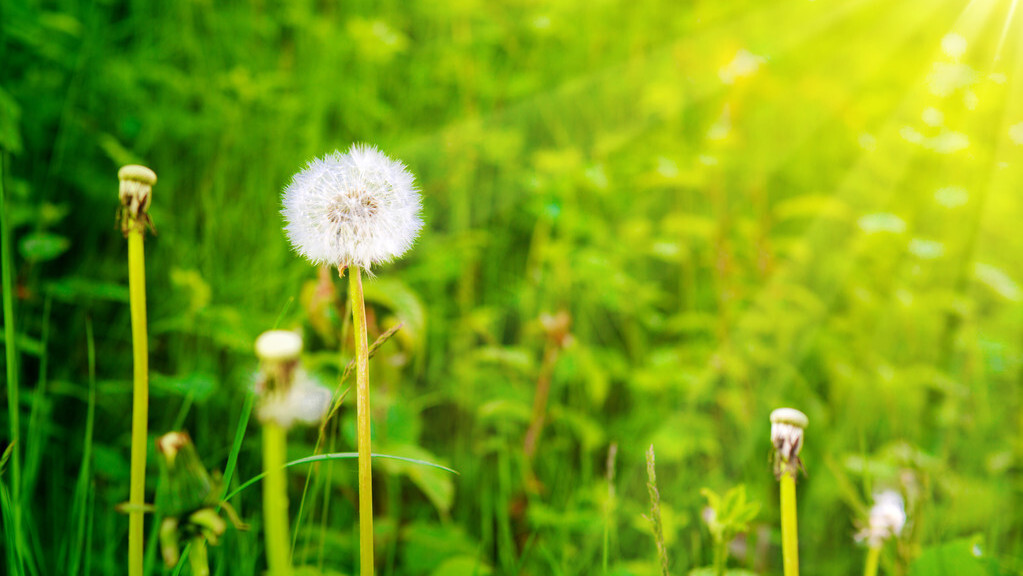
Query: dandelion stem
point(140, 405)
point(873, 555)
point(362, 408)
point(275, 499)
point(789, 532)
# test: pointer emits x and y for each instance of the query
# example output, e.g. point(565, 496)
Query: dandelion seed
point(354, 209)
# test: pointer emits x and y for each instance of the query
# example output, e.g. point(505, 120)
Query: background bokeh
point(737, 205)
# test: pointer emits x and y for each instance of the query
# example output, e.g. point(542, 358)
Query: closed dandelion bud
point(135, 193)
point(185, 485)
point(787, 425)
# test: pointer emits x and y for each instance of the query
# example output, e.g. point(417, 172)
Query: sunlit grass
point(737, 203)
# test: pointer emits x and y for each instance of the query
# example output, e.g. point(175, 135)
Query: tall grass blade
point(11, 355)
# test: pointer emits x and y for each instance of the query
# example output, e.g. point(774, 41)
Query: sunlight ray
point(1005, 30)
point(897, 153)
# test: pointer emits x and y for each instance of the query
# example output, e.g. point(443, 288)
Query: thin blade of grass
point(11, 353)
point(80, 501)
point(335, 456)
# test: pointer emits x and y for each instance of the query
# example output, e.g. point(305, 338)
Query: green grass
point(810, 235)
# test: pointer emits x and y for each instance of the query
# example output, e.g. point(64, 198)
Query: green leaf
point(405, 304)
point(6, 456)
point(426, 546)
point(71, 288)
point(462, 566)
point(43, 246)
point(436, 484)
point(10, 115)
point(198, 385)
point(957, 558)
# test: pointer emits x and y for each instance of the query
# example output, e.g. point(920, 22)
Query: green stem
point(199, 559)
point(873, 555)
point(789, 532)
point(275, 500)
point(720, 556)
point(11, 350)
point(362, 408)
point(140, 406)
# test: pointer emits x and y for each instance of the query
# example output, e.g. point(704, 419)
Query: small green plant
point(135, 194)
point(188, 501)
point(727, 517)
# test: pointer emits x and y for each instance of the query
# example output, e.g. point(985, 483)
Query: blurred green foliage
point(741, 205)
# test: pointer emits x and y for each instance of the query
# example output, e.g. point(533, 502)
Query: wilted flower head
point(354, 209)
point(887, 518)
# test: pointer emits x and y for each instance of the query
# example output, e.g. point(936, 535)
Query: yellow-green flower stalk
point(135, 193)
point(352, 211)
point(286, 397)
point(887, 518)
point(787, 425)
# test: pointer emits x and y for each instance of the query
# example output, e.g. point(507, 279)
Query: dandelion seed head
point(354, 209)
point(887, 519)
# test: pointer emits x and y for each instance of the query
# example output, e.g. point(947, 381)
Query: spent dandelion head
point(136, 193)
point(287, 393)
point(358, 208)
point(787, 425)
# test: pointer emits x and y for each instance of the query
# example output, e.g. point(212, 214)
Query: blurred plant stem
point(140, 402)
point(358, 303)
point(11, 351)
point(275, 499)
point(789, 531)
point(199, 559)
point(873, 555)
point(612, 453)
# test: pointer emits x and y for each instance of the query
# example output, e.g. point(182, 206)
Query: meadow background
point(738, 204)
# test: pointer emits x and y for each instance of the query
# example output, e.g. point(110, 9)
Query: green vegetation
point(647, 223)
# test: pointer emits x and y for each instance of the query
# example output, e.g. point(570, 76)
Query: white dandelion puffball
point(354, 209)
